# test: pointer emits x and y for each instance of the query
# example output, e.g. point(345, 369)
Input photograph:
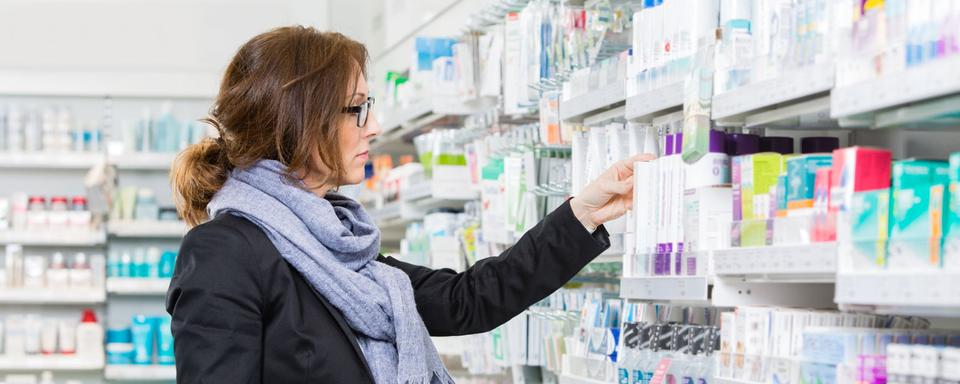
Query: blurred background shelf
point(48, 296)
point(140, 372)
point(144, 161)
point(134, 286)
point(49, 161)
point(50, 363)
point(147, 228)
point(50, 238)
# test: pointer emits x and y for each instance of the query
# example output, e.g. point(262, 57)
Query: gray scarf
point(334, 244)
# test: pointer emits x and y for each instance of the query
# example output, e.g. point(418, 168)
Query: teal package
point(802, 176)
point(164, 341)
point(142, 332)
point(869, 221)
point(955, 167)
point(917, 227)
point(913, 173)
point(951, 231)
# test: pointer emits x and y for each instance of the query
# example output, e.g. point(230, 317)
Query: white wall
point(140, 48)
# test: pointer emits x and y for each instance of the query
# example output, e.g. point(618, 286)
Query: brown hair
point(281, 98)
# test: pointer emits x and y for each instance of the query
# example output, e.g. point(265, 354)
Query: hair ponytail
point(198, 173)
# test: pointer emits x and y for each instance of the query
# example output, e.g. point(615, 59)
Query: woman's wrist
point(582, 214)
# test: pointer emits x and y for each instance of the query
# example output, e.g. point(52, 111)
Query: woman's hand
point(609, 196)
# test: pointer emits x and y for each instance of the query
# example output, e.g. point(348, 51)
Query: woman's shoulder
point(229, 236)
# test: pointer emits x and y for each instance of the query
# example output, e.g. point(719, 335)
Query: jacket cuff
point(592, 244)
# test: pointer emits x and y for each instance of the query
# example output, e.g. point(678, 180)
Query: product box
point(707, 216)
point(919, 204)
point(911, 173)
point(857, 169)
point(864, 231)
point(802, 177)
point(781, 201)
point(917, 227)
point(951, 230)
point(824, 218)
point(759, 173)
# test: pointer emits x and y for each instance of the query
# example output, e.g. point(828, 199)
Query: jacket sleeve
point(215, 300)
point(496, 289)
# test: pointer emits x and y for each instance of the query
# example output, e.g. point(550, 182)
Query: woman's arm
point(496, 289)
point(215, 301)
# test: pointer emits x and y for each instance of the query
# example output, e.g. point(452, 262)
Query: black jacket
point(241, 314)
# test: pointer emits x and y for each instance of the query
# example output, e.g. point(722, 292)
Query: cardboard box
point(857, 169)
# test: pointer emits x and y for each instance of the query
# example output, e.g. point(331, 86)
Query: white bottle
point(80, 274)
point(58, 276)
point(89, 337)
point(13, 266)
point(31, 345)
point(34, 271)
point(14, 129)
point(67, 337)
point(48, 337)
point(15, 340)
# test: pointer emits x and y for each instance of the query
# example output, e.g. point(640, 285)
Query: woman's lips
point(364, 155)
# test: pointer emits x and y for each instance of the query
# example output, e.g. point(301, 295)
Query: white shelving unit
point(50, 363)
point(71, 296)
point(144, 161)
point(934, 79)
point(44, 160)
point(50, 238)
point(591, 102)
point(808, 262)
point(147, 229)
point(137, 286)
point(644, 106)
point(400, 121)
point(693, 289)
point(923, 293)
point(789, 86)
point(571, 379)
point(141, 372)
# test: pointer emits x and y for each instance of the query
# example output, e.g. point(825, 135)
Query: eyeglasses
point(362, 111)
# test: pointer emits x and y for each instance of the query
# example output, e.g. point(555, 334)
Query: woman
point(283, 282)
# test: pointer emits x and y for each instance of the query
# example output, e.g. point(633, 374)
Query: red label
point(661, 372)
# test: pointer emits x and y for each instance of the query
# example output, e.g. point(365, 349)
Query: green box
point(801, 177)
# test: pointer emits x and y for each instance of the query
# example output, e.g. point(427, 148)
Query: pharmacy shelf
point(921, 293)
point(934, 79)
point(137, 286)
point(49, 238)
point(146, 229)
point(645, 106)
point(576, 108)
point(140, 372)
point(802, 263)
point(144, 161)
point(429, 192)
point(666, 288)
point(416, 201)
point(737, 291)
point(571, 379)
point(727, 380)
point(50, 161)
point(49, 363)
point(399, 122)
point(790, 86)
point(51, 296)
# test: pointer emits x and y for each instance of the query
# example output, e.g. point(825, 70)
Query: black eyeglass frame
point(362, 111)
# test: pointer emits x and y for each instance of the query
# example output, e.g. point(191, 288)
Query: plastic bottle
point(80, 274)
point(89, 336)
point(58, 277)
